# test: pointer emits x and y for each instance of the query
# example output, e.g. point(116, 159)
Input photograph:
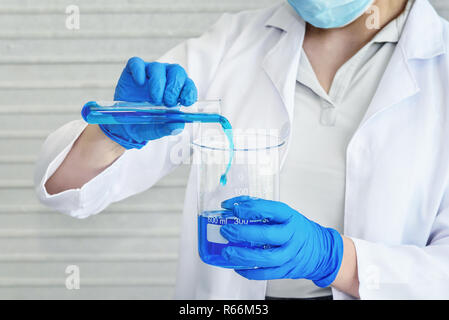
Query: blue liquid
point(122, 113)
point(211, 245)
point(228, 132)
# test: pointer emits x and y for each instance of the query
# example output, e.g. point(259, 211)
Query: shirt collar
point(393, 30)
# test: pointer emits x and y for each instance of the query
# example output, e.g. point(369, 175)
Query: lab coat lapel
point(398, 82)
point(281, 62)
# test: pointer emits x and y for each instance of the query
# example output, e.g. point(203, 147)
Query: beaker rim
point(279, 142)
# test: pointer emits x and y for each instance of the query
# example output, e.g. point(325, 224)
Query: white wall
point(46, 73)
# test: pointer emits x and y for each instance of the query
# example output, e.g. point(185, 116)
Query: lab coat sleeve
point(133, 172)
point(407, 271)
point(136, 170)
point(201, 57)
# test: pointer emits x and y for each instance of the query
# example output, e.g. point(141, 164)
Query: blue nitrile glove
point(154, 82)
point(297, 247)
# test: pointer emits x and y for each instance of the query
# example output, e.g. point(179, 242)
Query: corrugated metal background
point(46, 73)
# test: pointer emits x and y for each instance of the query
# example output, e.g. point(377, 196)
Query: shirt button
point(328, 114)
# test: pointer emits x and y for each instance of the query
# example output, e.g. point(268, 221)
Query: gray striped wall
point(46, 73)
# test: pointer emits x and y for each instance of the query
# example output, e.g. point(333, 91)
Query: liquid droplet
point(223, 180)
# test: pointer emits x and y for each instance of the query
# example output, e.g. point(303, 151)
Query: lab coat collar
point(423, 35)
point(417, 42)
point(285, 19)
point(281, 62)
point(422, 38)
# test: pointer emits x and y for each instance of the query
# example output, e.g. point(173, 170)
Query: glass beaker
point(254, 172)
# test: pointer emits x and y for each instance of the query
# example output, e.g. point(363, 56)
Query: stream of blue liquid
point(117, 115)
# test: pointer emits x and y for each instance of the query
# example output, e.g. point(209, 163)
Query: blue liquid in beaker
point(211, 243)
point(140, 113)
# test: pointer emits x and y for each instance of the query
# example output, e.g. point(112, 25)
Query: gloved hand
point(154, 82)
point(297, 247)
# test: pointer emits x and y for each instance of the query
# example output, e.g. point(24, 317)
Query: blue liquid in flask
point(145, 113)
point(211, 243)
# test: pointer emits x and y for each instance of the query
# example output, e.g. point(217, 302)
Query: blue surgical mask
point(329, 14)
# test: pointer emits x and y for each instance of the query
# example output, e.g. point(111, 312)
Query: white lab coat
point(397, 198)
